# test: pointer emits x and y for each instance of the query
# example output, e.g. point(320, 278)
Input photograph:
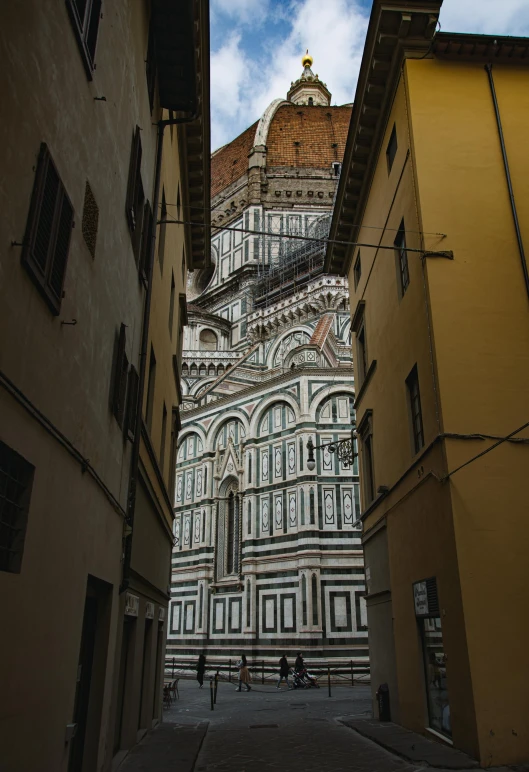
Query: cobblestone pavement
point(287, 731)
point(267, 729)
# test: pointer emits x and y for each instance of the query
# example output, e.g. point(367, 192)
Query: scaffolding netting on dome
point(297, 263)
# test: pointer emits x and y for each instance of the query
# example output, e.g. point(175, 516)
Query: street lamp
point(344, 448)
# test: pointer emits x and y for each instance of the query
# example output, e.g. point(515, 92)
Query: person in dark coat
point(201, 669)
point(283, 671)
point(299, 664)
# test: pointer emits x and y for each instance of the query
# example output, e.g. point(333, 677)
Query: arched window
point(311, 100)
point(227, 553)
point(249, 518)
point(312, 507)
point(207, 340)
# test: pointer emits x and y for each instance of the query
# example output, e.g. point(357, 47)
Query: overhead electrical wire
point(440, 253)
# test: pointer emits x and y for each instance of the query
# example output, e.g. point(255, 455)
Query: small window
point(121, 368)
point(150, 390)
point(84, 16)
point(402, 259)
point(16, 479)
point(336, 168)
point(361, 348)
point(135, 196)
point(48, 231)
point(90, 219)
point(311, 101)
point(357, 271)
point(391, 150)
point(414, 401)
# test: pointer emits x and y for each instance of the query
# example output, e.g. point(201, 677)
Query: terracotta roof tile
point(231, 161)
point(302, 136)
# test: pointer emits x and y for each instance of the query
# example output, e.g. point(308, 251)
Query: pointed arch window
point(230, 534)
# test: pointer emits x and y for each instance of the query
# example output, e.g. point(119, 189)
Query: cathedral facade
point(267, 556)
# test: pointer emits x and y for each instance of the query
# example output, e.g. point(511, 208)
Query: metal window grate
point(402, 256)
point(16, 477)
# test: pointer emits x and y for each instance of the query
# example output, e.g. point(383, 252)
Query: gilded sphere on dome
point(306, 59)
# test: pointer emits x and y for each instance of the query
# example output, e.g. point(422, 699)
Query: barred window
point(414, 397)
point(16, 480)
point(135, 196)
point(121, 368)
point(402, 259)
point(48, 231)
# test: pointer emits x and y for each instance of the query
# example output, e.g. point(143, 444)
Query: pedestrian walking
point(283, 671)
point(201, 669)
point(244, 674)
point(299, 665)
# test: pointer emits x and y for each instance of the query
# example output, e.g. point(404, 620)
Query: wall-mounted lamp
point(344, 448)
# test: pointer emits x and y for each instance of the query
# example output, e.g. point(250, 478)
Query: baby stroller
point(297, 680)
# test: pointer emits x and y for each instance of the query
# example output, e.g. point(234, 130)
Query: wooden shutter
point(120, 377)
point(132, 402)
point(48, 231)
point(146, 243)
point(134, 178)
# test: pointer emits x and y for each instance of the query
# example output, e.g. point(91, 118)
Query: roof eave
point(396, 29)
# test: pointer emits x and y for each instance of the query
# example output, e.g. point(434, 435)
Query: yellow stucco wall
point(480, 321)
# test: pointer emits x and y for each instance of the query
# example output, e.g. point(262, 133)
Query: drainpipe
point(488, 68)
point(135, 457)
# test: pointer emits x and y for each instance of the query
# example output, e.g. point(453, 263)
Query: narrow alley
point(266, 729)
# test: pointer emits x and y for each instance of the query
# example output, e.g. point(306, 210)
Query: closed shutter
point(134, 180)
point(48, 231)
point(146, 243)
point(120, 377)
point(132, 403)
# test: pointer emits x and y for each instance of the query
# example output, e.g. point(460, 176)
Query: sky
point(256, 48)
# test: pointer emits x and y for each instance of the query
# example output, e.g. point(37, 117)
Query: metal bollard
point(329, 679)
point(211, 692)
point(216, 686)
point(262, 673)
point(352, 674)
point(229, 672)
point(173, 668)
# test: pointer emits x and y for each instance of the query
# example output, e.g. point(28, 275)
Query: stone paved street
point(266, 730)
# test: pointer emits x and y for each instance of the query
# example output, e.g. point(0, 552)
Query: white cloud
point(487, 17)
point(246, 78)
point(242, 87)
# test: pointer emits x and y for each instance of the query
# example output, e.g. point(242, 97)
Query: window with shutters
point(401, 255)
point(150, 68)
point(121, 369)
point(85, 16)
point(415, 412)
point(16, 479)
point(146, 244)
point(150, 390)
point(365, 431)
point(132, 402)
point(162, 231)
point(135, 201)
point(48, 231)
